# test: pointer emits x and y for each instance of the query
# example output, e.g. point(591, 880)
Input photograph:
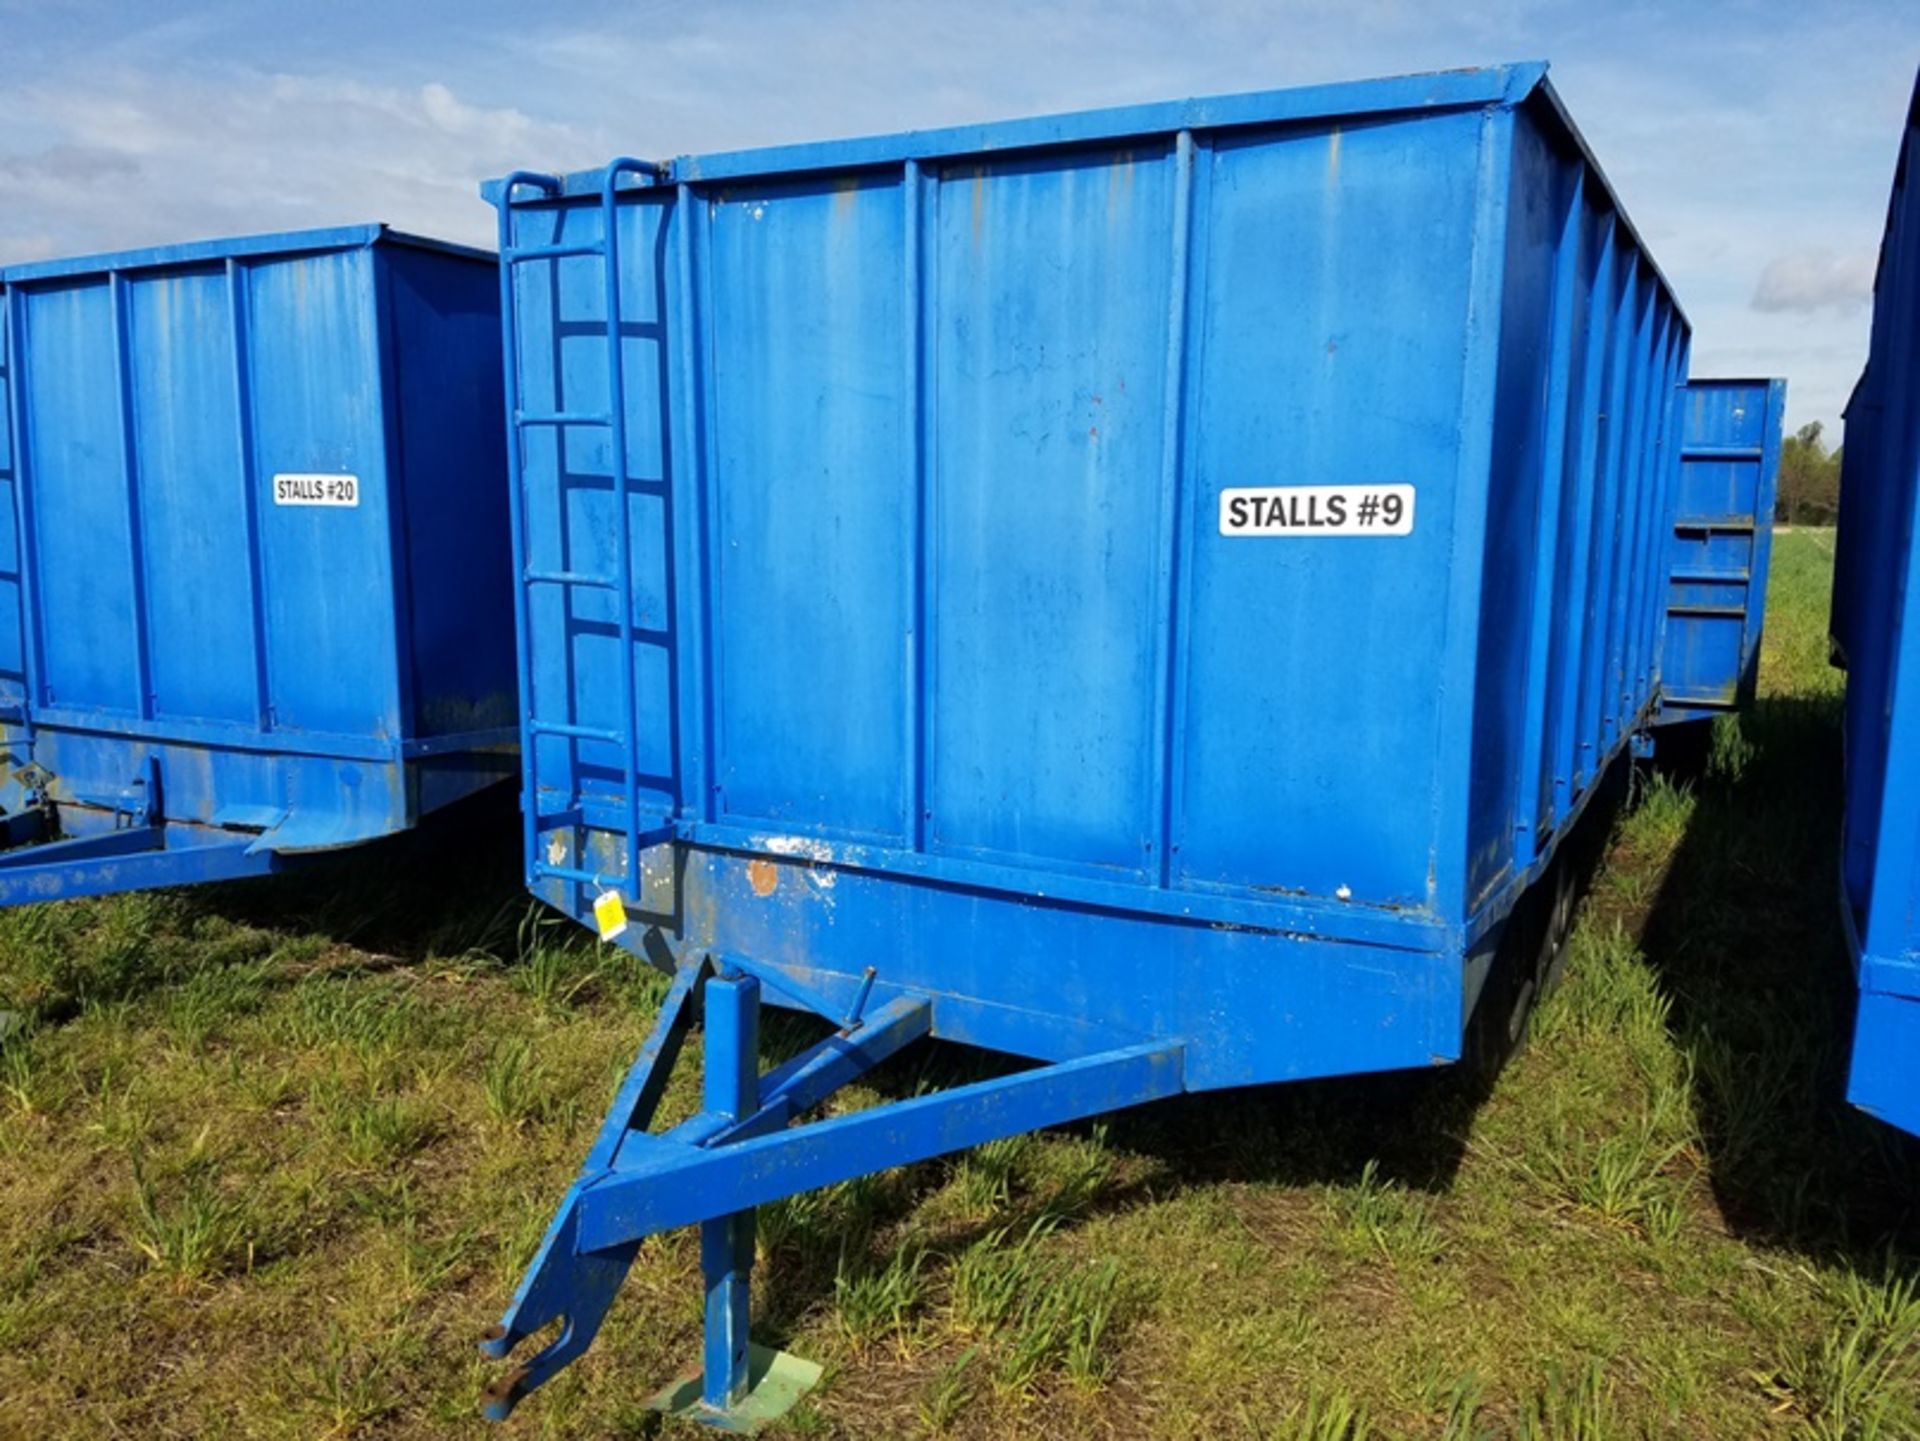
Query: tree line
point(1809, 491)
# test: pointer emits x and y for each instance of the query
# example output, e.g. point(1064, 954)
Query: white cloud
point(1816, 279)
point(145, 158)
point(1737, 144)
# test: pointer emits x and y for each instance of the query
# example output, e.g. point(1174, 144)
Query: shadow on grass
point(454, 884)
point(1744, 936)
point(1402, 1131)
point(451, 884)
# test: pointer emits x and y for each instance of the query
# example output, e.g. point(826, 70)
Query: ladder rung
point(563, 417)
point(1709, 577)
point(544, 872)
point(1720, 452)
point(654, 635)
point(525, 253)
point(569, 577)
point(576, 732)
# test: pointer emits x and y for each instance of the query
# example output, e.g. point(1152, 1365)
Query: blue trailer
point(255, 591)
point(1148, 592)
point(1876, 639)
point(1722, 539)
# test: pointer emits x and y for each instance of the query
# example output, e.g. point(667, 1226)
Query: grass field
point(272, 1155)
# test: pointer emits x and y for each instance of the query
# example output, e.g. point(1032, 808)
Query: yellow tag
point(610, 913)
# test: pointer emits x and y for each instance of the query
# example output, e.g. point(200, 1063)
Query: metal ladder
point(614, 420)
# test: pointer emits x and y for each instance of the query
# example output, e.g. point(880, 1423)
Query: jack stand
point(743, 1386)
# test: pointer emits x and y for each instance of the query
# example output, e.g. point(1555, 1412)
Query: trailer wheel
point(1562, 887)
point(1497, 1030)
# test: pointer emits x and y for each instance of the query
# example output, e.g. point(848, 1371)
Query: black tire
point(1497, 1030)
point(1562, 884)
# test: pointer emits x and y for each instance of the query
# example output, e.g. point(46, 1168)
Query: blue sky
point(1753, 143)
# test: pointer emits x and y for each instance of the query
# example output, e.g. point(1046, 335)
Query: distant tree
point(1809, 491)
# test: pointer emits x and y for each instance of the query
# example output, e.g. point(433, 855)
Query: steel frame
point(741, 1151)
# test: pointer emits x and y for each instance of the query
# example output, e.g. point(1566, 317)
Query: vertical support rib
point(30, 648)
point(1451, 872)
point(708, 509)
point(1633, 509)
point(130, 471)
point(1635, 575)
point(1167, 578)
point(726, 1243)
point(1553, 480)
point(238, 321)
point(1575, 752)
point(11, 473)
point(683, 497)
point(916, 684)
point(1607, 525)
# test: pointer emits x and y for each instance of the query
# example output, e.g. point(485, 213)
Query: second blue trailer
point(255, 588)
point(1148, 592)
point(1876, 639)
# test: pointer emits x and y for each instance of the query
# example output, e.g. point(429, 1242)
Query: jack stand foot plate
point(775, 1380)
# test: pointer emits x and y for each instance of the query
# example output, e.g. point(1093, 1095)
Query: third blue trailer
point(1729, 432)
point(1876, 638)
point(1148, 592)
point(255, 590)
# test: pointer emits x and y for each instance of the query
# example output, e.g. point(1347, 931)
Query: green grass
point(272, 1155)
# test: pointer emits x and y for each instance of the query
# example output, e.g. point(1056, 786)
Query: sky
point(1752, 143)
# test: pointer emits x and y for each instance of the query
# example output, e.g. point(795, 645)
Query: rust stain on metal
point(763, 876)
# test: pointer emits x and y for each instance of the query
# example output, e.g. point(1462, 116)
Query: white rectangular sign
point(1317, 510)
point(301, 489)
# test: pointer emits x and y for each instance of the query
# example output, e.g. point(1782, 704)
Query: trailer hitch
point(739, 1152)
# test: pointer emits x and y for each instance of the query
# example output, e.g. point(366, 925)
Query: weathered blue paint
point(1876, 637)
point(274, 679)
point(1722, 537)
point(883, 645)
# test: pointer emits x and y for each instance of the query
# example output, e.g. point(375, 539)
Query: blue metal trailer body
point(1876, 638)
point(1144, 591)
point(257, 595)
point(1722, 539)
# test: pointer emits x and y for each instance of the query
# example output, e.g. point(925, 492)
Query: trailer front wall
point(945, 657)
